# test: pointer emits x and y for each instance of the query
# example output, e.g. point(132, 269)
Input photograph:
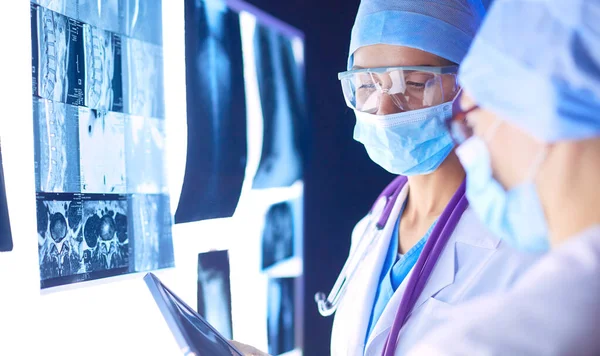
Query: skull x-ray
point(280, 315)
point(278, 234)
point(216, 112)
point(6, 243)
point(58, 56)
point(56, 127)
point(214, 291)
point(150, 222)
point(81, 237)
point(283, 107)
point(102, 151)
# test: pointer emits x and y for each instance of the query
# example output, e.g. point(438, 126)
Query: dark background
point(341, 181)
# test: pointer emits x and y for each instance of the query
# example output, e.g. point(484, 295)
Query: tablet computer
point(195, 336)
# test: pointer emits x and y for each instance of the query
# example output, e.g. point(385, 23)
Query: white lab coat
point(473, 263)
point(554, 309)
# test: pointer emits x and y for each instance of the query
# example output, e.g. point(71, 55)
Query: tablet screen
point(201, 337)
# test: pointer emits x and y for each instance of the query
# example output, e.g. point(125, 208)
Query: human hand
point(248, 350)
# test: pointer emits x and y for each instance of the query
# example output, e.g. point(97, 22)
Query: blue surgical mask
point(408, 143)
point(515, 215)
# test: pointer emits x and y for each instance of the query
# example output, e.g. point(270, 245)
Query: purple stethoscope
point(423, 268)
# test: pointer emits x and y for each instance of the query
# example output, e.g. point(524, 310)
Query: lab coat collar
point(363, 286)
point(443, 273)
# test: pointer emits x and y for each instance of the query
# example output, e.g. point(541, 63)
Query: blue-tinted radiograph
point(142, 20)
point(65, 7)
point(145, 155)
point(56, 127)
point(216, 113)
point(102, 14)
point(143, 88)
point(214, 291)
point(102, 151)
point(6, 243)
point(283, 106)
point(150, 224)
point(281, 315)
point(278, 234)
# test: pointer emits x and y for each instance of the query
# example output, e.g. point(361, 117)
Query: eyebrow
point(415, 65)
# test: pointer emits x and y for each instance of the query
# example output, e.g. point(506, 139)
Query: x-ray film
point(81, 237)
point(103, 14)
point(142, 20)
point(102, 144)
point(56, 131)
point(278, 234)
point(6, 243)
point(283, 106)
point(281, 315)
point(103, 80)
point(59, 70)
point(143, 89)
point(216, 113)
point(214, 291)
point(145, 155)
point(65, 7)
point(150, 224)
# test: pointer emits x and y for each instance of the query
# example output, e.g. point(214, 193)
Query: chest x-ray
point(283, 107)
point(280, 315)
point(214, 291)
point(102, 203)
point(216, 112)
point(6, 243)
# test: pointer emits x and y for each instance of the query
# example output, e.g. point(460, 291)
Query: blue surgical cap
point(536, 63)
point(442, 27)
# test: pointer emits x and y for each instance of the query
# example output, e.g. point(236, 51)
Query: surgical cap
point(536, 63)
point(442, 27)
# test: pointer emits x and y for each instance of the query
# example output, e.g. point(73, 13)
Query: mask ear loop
point(537, 164)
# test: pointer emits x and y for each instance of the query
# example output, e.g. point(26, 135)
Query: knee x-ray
point(6, 243)
point(283, 108)
point(98, 104)
point(214, 291)
point(216, 112)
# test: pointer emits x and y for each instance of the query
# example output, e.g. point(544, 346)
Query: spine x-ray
point(283, 107)
point(214, 291)
point(6, 243)
point(98, 110)
point(281, 315)
point(216, 112)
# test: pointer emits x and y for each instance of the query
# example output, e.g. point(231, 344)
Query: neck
point(568, 189)
point(429, 194)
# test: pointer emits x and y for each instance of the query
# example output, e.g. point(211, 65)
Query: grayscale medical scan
point(281, 93)
point(214, 291)
point(278, 234)
point(216, 113)
point(6, 243)
point(98, 110)
point(281, 315)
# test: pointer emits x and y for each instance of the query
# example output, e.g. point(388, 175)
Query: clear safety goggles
point(398, 89)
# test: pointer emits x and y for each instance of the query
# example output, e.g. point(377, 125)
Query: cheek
point(511, 158)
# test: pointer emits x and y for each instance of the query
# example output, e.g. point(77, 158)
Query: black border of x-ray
point(157, 289)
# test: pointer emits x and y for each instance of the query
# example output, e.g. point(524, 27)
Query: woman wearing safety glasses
point(421, 249)
point(531, 133)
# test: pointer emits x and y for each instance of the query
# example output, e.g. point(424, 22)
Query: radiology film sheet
point(216, 112)
point(281, 315)
point(214, 291)
point(6, 243)
point(98, 111)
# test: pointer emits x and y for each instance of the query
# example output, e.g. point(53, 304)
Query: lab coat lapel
point(364, 284)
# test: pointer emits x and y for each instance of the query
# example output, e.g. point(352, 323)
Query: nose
point(387, 106)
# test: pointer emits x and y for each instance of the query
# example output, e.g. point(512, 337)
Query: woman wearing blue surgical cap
point(531, 150)
point(421, 249)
